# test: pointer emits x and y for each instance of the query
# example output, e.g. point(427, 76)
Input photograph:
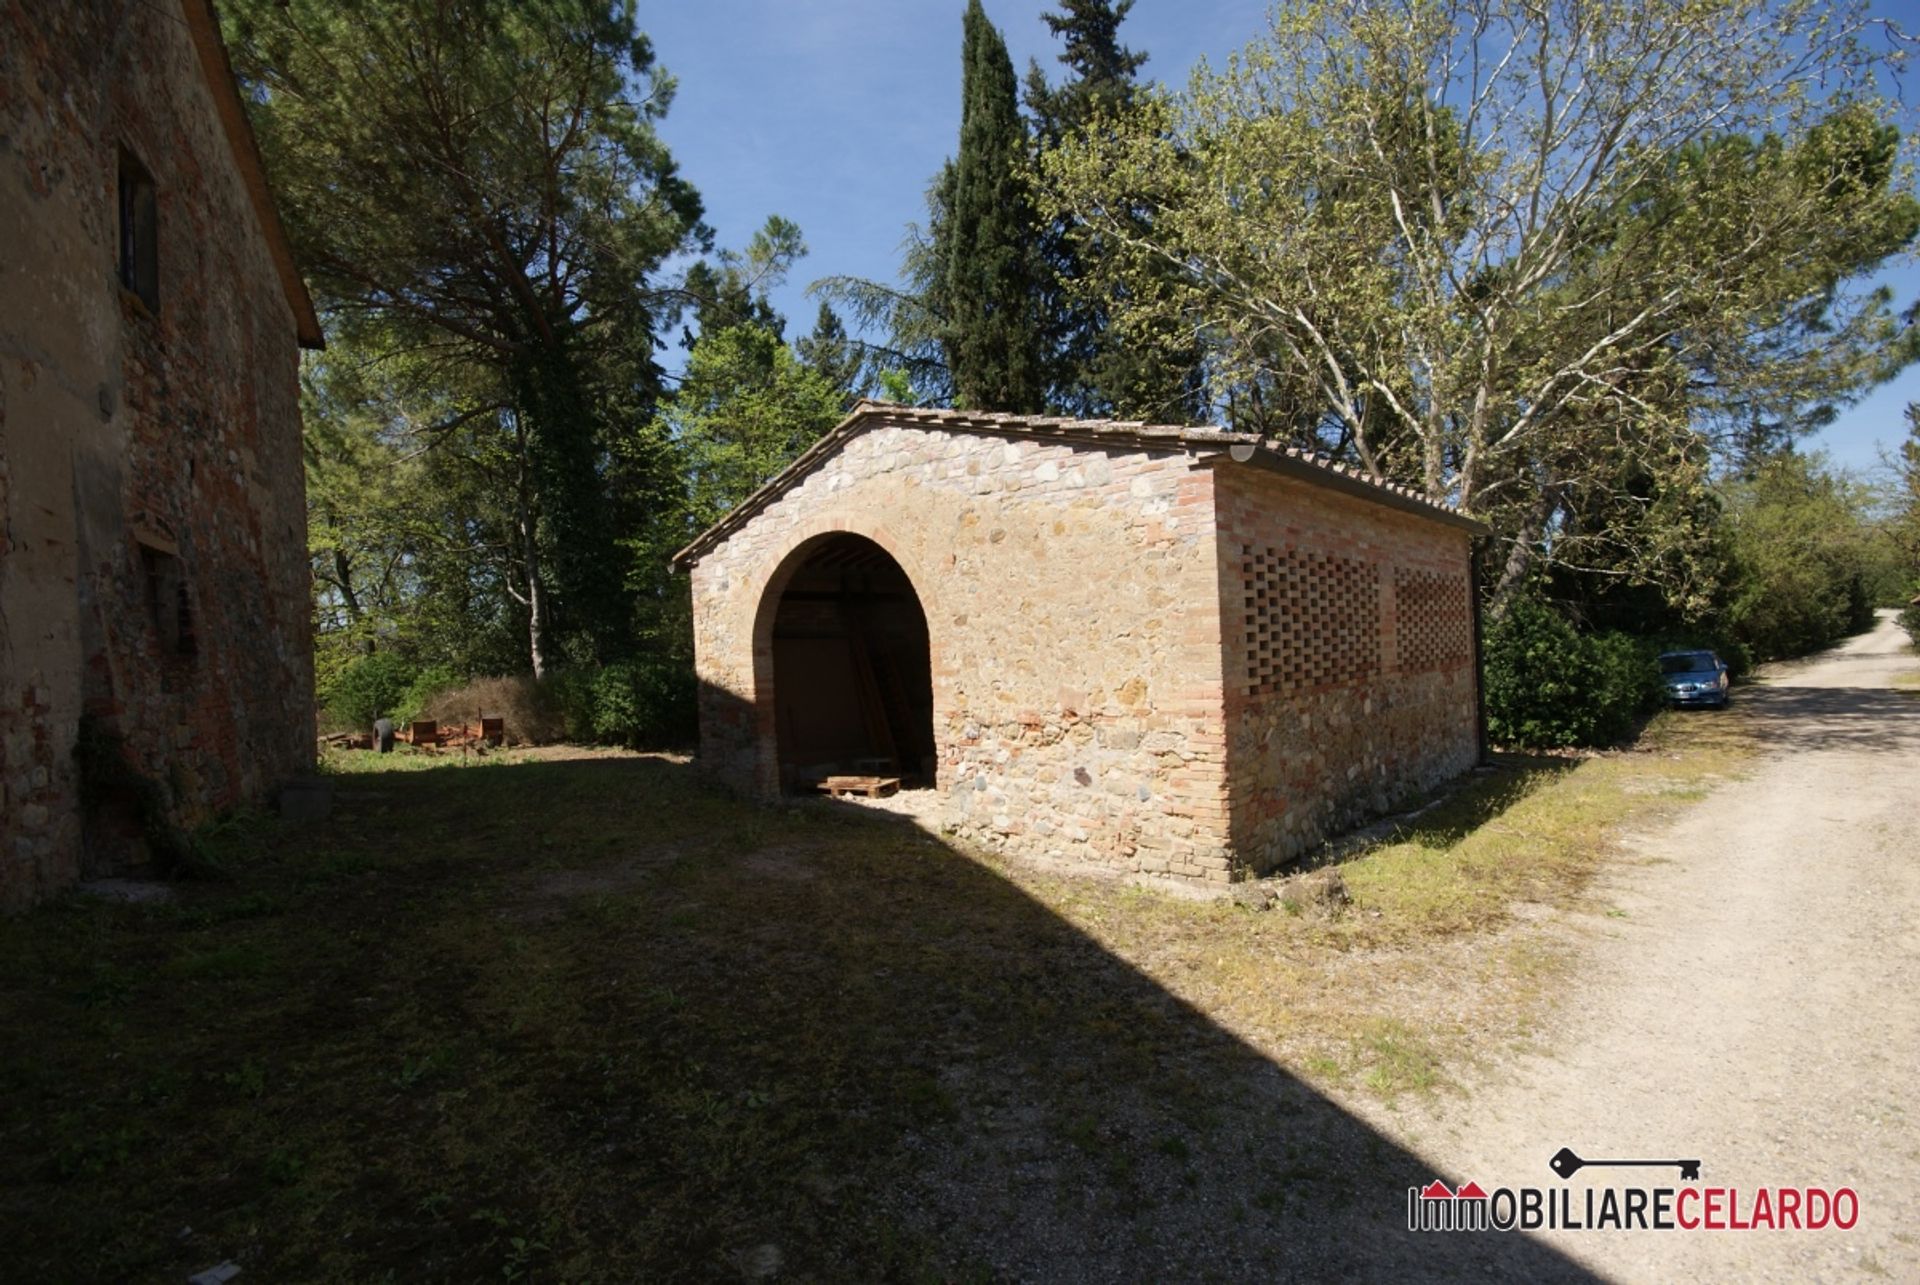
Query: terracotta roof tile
point(1244, 448)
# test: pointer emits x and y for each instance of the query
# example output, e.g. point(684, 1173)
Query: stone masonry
point(153, 573)
point(1351, 683)
point(1160, 650)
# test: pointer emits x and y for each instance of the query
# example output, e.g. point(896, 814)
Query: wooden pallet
point(873, 787)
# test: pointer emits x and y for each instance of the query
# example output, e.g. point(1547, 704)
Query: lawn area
point(575, 1015)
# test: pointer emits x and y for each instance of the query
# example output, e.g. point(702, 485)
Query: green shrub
point(369, 687)
point(1910, 621)
point(569, 692)
point(636, 702)
point(642, 702)
point(620, 698)
point(1626, 680)
point(1548, 685)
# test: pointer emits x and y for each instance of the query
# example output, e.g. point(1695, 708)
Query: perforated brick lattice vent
point(1312, 619)
point(1430, 619)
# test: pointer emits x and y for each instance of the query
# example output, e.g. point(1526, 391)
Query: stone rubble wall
point(1074, 623)
point(120, 425)
point(1348, 661)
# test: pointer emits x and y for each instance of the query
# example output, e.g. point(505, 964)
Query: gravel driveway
point(1752, 1000)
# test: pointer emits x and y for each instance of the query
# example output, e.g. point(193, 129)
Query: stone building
point(1166, 650)
point(153, 569)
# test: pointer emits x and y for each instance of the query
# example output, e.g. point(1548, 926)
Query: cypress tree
point(992, 334)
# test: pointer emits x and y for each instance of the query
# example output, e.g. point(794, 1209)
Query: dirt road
point(1752, 999)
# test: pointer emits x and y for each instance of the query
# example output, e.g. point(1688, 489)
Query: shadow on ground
point(593, 1020)
point(1830, 718)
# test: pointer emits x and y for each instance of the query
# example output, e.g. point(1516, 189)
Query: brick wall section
point(1347, 655)
point(1073, 614)
point(118, 424)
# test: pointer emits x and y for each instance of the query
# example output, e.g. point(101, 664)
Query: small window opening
point(139, 231)
point(168, 602)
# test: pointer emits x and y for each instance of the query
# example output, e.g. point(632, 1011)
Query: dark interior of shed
point(853, 682)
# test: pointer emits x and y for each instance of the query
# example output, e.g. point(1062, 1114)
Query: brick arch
point(797, 547)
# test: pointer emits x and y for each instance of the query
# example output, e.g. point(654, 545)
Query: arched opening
point(852, 672)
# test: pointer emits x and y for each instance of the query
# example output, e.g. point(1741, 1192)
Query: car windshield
point(1688, 662)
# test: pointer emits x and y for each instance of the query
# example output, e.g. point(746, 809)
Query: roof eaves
point(1210, 443)
point(772, 488)
point(1320, 470)
point(204, 27)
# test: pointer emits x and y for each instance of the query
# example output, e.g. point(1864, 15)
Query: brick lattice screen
point(1430, 619)
point(1312, 620)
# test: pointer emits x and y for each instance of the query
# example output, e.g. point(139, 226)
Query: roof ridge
point(1016, 419)
point(1308, 465)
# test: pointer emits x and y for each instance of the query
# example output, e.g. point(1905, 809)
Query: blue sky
point(836, 113)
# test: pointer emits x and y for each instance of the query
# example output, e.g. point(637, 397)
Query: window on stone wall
point(1431, 619)
point(168, 603)
point(1312, 619)
point(139, 231)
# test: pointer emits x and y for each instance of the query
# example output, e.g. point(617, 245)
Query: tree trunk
point(1433, 470)
point(1520, 556)
point(536, 619)
point(526, 529)
point(343, 576)
point(536, 600)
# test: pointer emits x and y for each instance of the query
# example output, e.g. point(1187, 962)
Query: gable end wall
point(1073, 616)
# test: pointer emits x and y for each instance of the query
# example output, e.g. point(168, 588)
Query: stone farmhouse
point(153, 567)
point(1176, 651)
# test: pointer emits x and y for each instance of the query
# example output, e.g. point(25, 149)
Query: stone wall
point(1155, 659)
point(153, 572)
point(1071, 603)
point(1348, 659)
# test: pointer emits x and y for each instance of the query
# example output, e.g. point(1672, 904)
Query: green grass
point(1430, 966)
point(1534, 832)
point(1396, 1058)
point(582, 1016)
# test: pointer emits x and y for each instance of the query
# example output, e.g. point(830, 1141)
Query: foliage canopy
point(1520, 255)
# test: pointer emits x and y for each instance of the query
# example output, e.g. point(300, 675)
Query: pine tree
point(1094, 371)
point(1103, 69)
point(830, 351)
point(991, 334)
point(445, 219)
